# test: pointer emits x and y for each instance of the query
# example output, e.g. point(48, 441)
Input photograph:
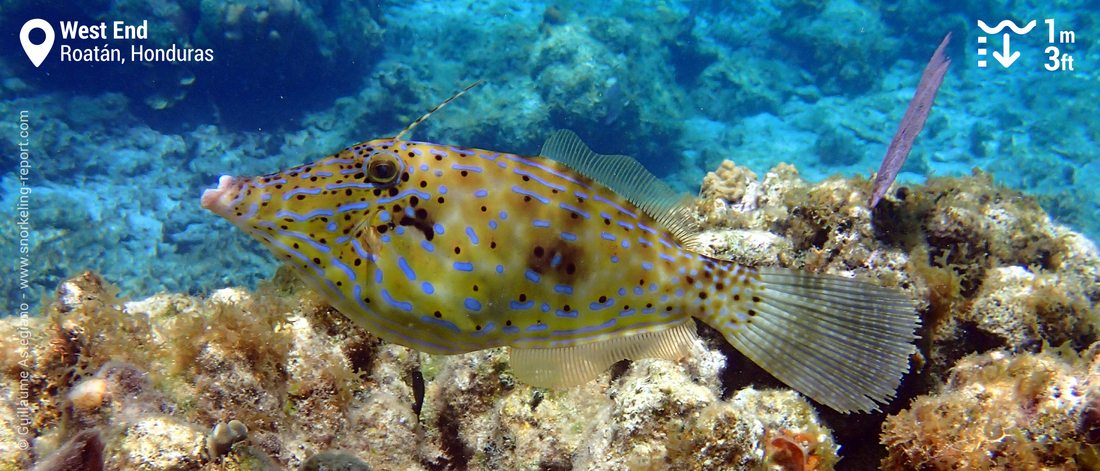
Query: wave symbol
point(1006, 24)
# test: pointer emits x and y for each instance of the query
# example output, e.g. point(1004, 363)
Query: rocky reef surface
point(275, 379)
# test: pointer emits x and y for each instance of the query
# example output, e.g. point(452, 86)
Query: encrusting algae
point(574, 260)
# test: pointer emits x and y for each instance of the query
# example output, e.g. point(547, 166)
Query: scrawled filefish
point(574, 260)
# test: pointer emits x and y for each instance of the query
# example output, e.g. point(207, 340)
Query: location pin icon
point(36, 52)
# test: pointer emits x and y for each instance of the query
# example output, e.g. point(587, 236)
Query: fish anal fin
point(569, 366)
point(628, 178)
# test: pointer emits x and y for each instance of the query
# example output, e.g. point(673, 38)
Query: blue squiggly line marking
point(307, 216)
point(540, 198)
point(402, 305)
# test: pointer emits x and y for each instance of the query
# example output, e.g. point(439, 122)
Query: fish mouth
point(220, 200)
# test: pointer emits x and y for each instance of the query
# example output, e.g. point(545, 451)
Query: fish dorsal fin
point(433, 110)
point(629, 179)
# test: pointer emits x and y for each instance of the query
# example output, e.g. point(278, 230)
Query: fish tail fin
point(842, 342)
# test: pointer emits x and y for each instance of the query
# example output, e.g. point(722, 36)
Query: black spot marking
point(542, 257)
point(421, 222)
point(603, 299)
point(438, 315)
point(702, 295)
point(756, 299)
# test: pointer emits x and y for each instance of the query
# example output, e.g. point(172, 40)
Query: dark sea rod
point(574, 260)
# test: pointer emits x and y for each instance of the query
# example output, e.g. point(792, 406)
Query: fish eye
point(382, 169)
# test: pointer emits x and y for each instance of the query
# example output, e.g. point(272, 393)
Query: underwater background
point(123, 151)
point(119, 155)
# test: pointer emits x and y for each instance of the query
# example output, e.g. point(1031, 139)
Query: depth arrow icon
point(1007, 57)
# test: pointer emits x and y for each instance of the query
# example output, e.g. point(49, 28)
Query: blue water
point(118, 153)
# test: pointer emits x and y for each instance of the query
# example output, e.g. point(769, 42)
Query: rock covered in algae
point(985, 265)
point(1001, 411)
point(304, 381)
point(990, 273)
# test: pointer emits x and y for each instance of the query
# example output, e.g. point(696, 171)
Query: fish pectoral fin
point(569, 366)
point(367, 234)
